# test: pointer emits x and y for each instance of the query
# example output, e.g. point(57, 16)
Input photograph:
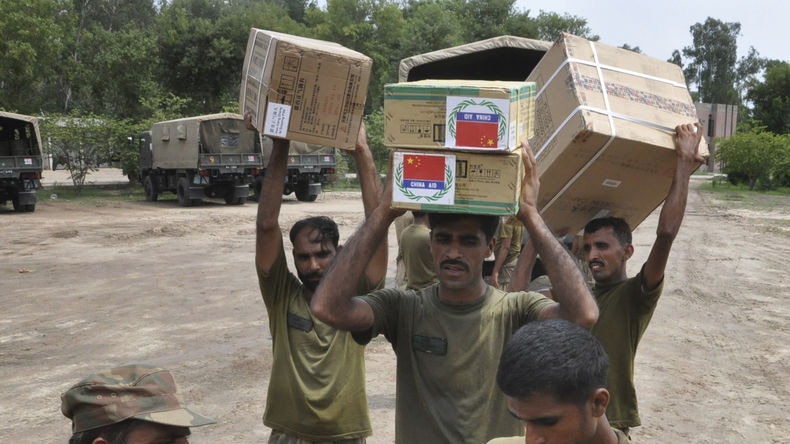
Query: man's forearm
point(333, 299)
point(568, 285)
point(271, 195)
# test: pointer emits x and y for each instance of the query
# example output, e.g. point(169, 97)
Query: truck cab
point(21, 161)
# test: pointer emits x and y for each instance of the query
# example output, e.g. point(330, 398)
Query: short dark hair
point(326, 227)
point(620, 228)
point(489, 224)
point(555, 357)
point(114, 433)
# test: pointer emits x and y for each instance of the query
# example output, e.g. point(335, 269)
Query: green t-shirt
point(514, 232)
point(317, 385)
point(415, 245)
point(625, 311)
point(447, 357)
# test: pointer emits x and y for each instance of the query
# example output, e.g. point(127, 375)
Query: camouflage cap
point(135, 391)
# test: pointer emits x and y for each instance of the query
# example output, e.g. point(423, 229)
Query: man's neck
point(463, 296)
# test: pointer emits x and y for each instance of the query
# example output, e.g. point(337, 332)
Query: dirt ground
point(89, 286)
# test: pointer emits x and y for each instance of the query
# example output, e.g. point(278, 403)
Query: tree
point(79, 142)
point(481, 19)
point(713, 55)
point(32, 46)
point(628, 47)
point(551, 25)
point(752, 155)
point(771, 98)
point(428, 28)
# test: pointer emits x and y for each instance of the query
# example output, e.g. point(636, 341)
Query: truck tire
point(22, 208)
point(231, 199)
point(182, 190)
point(303, 193)
point(257, 186)
point(151, 191)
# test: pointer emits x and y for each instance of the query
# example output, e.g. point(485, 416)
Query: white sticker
point(611, 183)
point(423, 178)
point(277, 119)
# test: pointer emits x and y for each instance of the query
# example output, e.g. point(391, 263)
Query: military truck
point(210, 156)
point(309, 167)
point(21, 160)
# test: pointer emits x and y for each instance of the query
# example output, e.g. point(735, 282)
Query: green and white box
point(457, 181)
point(476, 115)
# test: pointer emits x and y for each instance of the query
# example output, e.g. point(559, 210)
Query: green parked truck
point(21, 160)
point(210, 156)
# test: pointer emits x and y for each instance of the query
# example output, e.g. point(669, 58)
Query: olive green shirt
point(415, 245)
point(317, 385)
point(447, 358)
point(625, 310)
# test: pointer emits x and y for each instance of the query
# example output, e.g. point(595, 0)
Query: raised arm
point(523, 271)
point(687, 139)
point(334, 300)
point(268, 238)
point(370, 184)
point(574, 300)
point(499, 257)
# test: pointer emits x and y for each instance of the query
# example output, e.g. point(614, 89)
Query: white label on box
point(611, 183)
point(423, 178)
point(474, 122)
point(277, 118)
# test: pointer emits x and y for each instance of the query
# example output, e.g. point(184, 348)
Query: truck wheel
point(182, 190)
point(257, 186)
point(303, 193)
point(151, 192)
point(231, 199)
point(29, 208)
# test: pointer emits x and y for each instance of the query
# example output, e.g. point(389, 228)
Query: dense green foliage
point(757, 158)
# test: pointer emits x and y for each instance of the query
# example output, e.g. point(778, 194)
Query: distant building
point(717, 120)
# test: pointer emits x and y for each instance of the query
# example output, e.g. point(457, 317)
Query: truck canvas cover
point(19, 135)
point(505, 57)
point(179, 138)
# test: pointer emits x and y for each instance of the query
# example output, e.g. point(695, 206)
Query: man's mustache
point(454, 262)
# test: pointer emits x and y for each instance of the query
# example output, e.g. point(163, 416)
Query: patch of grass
point(740, 196)
point(93, 194)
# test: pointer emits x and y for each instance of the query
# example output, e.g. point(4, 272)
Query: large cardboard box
point(457, 181)
point(304, 89)
point(604, 134)
point(458, 114)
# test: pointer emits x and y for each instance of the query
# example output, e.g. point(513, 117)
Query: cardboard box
point(604, 134)
point(304, 89)
point(457, 181)
point(458, 114)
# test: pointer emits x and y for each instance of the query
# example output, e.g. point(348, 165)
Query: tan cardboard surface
point(303, 89)
point(458, 114)
point(604, 133)
point(473, 183)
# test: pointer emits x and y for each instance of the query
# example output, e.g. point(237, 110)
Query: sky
point(658, 27)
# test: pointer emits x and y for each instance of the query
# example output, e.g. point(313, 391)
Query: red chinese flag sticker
point(423, 171)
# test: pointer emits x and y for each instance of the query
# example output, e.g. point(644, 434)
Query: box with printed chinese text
point(479, 115)
point(456, 181)
point(304, 89)
point(604, 131)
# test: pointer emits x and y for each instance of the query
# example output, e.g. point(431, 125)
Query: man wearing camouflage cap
point(134, 404)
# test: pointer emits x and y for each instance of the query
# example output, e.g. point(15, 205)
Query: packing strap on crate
point(611, 115)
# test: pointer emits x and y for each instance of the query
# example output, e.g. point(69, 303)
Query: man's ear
point(628, 251)
point(491, 245)
point(599, 400)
